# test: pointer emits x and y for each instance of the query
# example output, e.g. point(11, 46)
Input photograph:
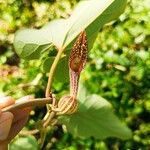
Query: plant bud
point(67, 105)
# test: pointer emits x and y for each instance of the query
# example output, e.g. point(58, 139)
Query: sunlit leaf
point(90, 15)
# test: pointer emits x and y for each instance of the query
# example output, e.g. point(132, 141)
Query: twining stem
point(52, 71)
point(28, 103)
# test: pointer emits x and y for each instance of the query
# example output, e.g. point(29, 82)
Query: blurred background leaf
point(25, 143)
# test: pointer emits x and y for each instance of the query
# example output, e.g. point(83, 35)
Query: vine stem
point(52, 71)
point(49, 119)
point(51, 114)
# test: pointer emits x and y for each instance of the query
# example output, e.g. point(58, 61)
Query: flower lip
point(78, 53)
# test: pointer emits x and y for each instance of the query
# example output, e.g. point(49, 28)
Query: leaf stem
point(52, 71)
point(51, 114)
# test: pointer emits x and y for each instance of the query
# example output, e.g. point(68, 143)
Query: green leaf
point(95, 118)
point(90, 15)
point(92, 18)
point(24, 143)
point(62, 71)
point(30, 43)
point(47, 63)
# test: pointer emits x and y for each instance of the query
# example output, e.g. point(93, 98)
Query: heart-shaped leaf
point(90, 15)
point(95, 118)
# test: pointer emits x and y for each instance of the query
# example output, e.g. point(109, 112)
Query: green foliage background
point(118, 69)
